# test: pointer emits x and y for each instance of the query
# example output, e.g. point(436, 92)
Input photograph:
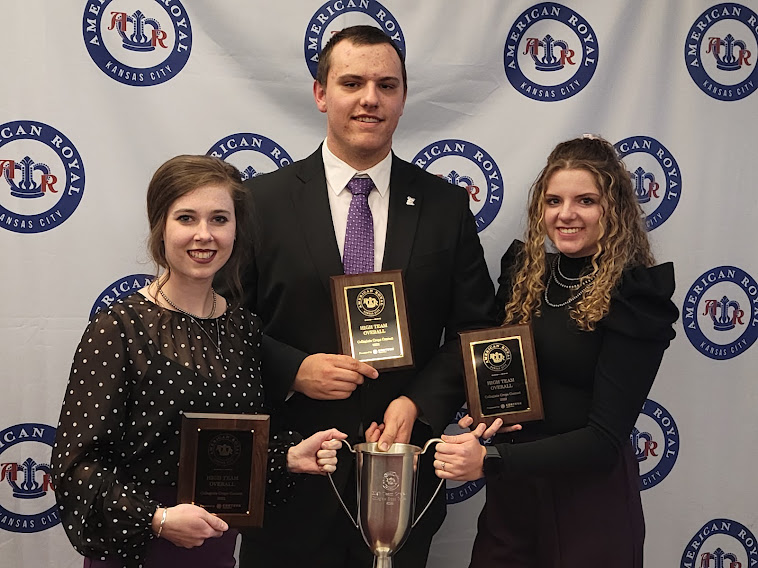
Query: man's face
point(363, 99)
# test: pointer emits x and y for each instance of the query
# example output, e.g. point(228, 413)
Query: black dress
point(564, 493)
point(115, 460)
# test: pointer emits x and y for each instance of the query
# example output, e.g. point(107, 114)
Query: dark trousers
point(563, 521)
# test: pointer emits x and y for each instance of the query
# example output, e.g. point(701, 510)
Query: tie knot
point(360, 186)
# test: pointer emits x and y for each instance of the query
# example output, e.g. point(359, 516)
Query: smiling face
point(573, 208)
point(363, 99)
point(199, 233)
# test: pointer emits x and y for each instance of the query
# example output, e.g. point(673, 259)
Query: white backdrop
point(88, 113)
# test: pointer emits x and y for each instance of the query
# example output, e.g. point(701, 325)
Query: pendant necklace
point(194, 318)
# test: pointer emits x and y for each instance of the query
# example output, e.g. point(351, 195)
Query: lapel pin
point(410, 200)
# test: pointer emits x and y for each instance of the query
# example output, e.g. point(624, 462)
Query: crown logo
point(719, 556)
point(549, 60)
point(464, 181)
point(138, 40)
point(643, 193)
point(725, 313)
point(27, 187)
point(647, 446)
point(29, 487)
point(729, 61)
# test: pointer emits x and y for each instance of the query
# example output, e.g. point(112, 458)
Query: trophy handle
point(337, 493)
point(439, 485)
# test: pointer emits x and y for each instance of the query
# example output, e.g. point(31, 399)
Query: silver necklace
point(194, 318)
point(578, 287)
point(582, 281)
point(178, 309)
point(561, 274)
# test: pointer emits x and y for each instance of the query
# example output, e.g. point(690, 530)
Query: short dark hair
point(178, 177)
point(357, 35)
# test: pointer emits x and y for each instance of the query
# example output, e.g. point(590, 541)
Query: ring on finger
point(443, 466)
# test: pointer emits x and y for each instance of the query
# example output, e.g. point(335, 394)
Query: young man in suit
point(304, 214)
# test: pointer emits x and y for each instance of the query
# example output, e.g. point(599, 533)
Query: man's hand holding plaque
point(371, 318)
point(500, 368)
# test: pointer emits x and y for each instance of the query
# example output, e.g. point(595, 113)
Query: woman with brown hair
point(173, 347)
point(563, 492)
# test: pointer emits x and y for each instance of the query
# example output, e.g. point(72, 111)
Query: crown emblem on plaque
point(29, 480)
point(137, 24)
point(641, 190)
point(723, 51)
point(725, 313)
point(27, 187)
point(719, 557)
point(550, 59)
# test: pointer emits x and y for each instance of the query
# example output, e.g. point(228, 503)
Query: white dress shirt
point(338, 173)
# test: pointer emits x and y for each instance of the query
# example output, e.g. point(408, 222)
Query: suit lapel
point(406, 200)
point(314, 217)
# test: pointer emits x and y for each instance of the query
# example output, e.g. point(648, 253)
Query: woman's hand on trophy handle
point(306, 457)
point(460, 457)
point(326, 457)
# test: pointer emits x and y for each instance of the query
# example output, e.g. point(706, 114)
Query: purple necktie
point(358, 252)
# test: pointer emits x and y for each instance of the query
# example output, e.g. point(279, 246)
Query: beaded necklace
point(582, 283)
point(217, 343)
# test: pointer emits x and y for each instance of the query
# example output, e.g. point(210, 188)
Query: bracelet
point(163, 520)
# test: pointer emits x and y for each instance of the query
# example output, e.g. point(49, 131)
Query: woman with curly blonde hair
point(563, 492)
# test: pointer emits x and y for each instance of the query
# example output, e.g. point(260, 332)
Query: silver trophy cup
point(386, 491)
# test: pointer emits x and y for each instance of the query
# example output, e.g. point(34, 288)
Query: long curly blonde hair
point(622, 243)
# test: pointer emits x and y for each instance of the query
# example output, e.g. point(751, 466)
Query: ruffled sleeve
point(635, 334)
point(641, 307)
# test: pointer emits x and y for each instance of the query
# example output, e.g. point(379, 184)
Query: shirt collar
point(338, 173)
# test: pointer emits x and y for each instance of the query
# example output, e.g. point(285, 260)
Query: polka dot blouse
point(137, 369)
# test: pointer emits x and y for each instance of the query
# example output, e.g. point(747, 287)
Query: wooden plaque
point(372, 319)
point(500, 369)
point(222, 465)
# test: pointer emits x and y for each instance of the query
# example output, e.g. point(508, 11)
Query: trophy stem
point(382, 561)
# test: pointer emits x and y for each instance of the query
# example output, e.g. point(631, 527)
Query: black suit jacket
point(448, 289)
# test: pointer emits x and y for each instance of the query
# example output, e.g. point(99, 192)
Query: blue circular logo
point(120, 289)
point(138, 47)
point(455, 491)
point(655, 175)
point(253, 154)
point(720, 51)
point(26, 480)
point(718, 312)
point(551, 52)
point(467, 165)
point(41, 177)
point(326, 22)
point(725, 542)
point(655, 439)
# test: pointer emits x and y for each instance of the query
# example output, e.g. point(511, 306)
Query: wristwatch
point(491, 453)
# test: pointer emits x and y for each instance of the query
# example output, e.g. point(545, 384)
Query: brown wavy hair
point(622, 243)
point(357, 35)
point(181, 175)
